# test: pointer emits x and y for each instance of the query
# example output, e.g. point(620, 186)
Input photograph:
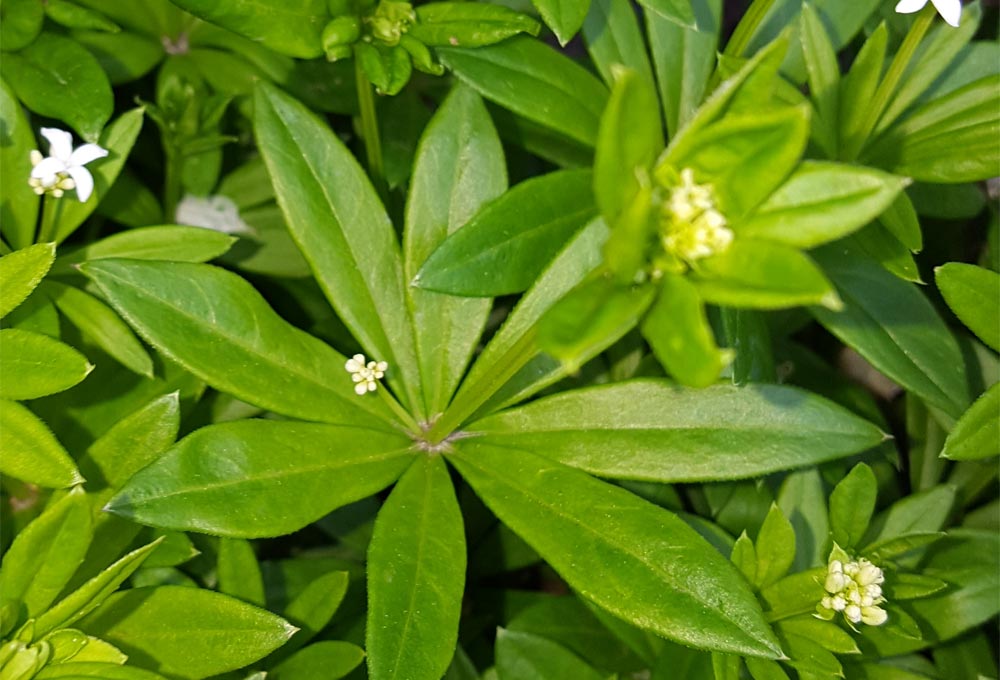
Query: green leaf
point(99, 323)
point(218, 327)
point(313, 608)
point(21, 271)
point(765, 669)
point(858, 88)
point(174, 243)
point(905, 586)
point(92, 593)
point(901, 220)
point(744, 556)
point(339, 224)
point(639, 562)
point(564, 17)
point(534, 81)
point(44, 555)
point(822, 202)
point(30, 452)
point(293, 29)
point(972, 292)
point(679, 11)
point(22, 22)
point(18, 202)
point(976, 435)
point(468, 24)
point(118, 139)
point(506, 245)
point(802, 499)
point(238, 571)
point(78, 670)
point(829, 635)
point(387, 68)
point(775, 546)
point(326, 660)
point(629, 140)
point(525, 656)
point(893, 326)
point(612, 36)
point(672, 434)
point(876, 242)
point(40, 73)
point(823, 73)
point(677, 330)
point(684, 57)
point(186, 632)
point(125, 57)
point(763, 275)
point(210, 481)
point(71, 15)
point(416, 576)
point(459, 167)
point(34, 365)
point(851, 505)
point(919, 513)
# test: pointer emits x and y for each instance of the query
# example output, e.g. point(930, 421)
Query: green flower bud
point(421, 56)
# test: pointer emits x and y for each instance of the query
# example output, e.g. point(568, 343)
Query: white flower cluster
point(693, 227)
point(365, 375)
point(855, 588)
point(62, 170)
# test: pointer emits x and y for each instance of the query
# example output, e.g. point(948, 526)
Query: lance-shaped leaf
point(18, 202)
point(167, 242)
point(342, 229)
point(186, 632)
point(416, 575)
point(892, 325)
point(459, 166)
point(21, 271)
point(977, 433)
point(652, 430)
point(972, 293)
point(638, 561)
point(34, 365)
point(526, 656)
point(468, 24)
point(564, 17)
point(533, 80)
point(507, 244)
point(255, 478)
point(292, 28)
point(218, 327)
point(612, 36)
point(30, 452)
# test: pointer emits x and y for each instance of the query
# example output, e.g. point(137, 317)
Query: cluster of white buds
point(365, 374)
point(855, 588)
point(692, 226)
point(62, 170)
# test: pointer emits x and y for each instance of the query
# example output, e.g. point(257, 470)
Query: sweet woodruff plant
point(685, 338)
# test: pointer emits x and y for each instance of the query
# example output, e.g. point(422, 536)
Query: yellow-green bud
point(341, 31)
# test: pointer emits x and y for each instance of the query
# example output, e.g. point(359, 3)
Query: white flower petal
point(48, 168)
point(84, 182)
point(910, 6)
point(950, 10)
point(86, 153)
point(60, 143)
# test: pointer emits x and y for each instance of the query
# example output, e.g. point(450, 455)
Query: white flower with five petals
point(365, 374)
point(63, 169)
point(950, 10)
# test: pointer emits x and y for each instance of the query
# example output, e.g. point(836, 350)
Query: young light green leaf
point(633, 559)
point(186, 632)
point(534, 81)
point(34, 365)
point(976, 435)
point(823, 73)
point(18, 202)
point(893, 326)
point(342, 229)
point(822, 202)
point(507, 244)
point(99, 323)
point(802, 499)
point(765, 669)
point(468, 24)
point(526, 656)
point(851, 505)
point(210, 480)
point(101, 670)
point(238, 571)
point(830, 636)
point(30, 452)
point(919, 513)
point(972, 292)
point(744, 556)
point(673, 434)
point(326, 660)
point(39, 74)
point(21, 271)
point(416, 576)
point(44, 555)
point(218, 327)
point(775, 546)
point(459, 167)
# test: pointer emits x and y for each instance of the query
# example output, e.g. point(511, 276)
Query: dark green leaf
point(525, 656)
point(22, 22)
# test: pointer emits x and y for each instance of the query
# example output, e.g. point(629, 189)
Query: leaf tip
point(832, 301)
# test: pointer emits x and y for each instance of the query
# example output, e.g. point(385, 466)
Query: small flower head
point(691, 226)
point(854, 587)
point(62, 170)
point(390, 20)
point(950, 10)
point(212, 212)
point(365, 374)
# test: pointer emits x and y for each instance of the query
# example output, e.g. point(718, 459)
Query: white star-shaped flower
point(63, 169)
point(950, 10)
point(365, 375)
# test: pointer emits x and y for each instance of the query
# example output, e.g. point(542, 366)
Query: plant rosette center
point(691, 226)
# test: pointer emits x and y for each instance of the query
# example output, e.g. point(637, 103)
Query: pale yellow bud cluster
point(854, 588)
point(56, 184)
point(692, 227)
point(365, 374)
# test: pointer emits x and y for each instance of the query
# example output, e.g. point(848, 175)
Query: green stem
point(51, 211)
point(369, 129)
point(471, 398)
point(893, 76)
point(404, 416)
point(172, 182)
point(747, 27)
